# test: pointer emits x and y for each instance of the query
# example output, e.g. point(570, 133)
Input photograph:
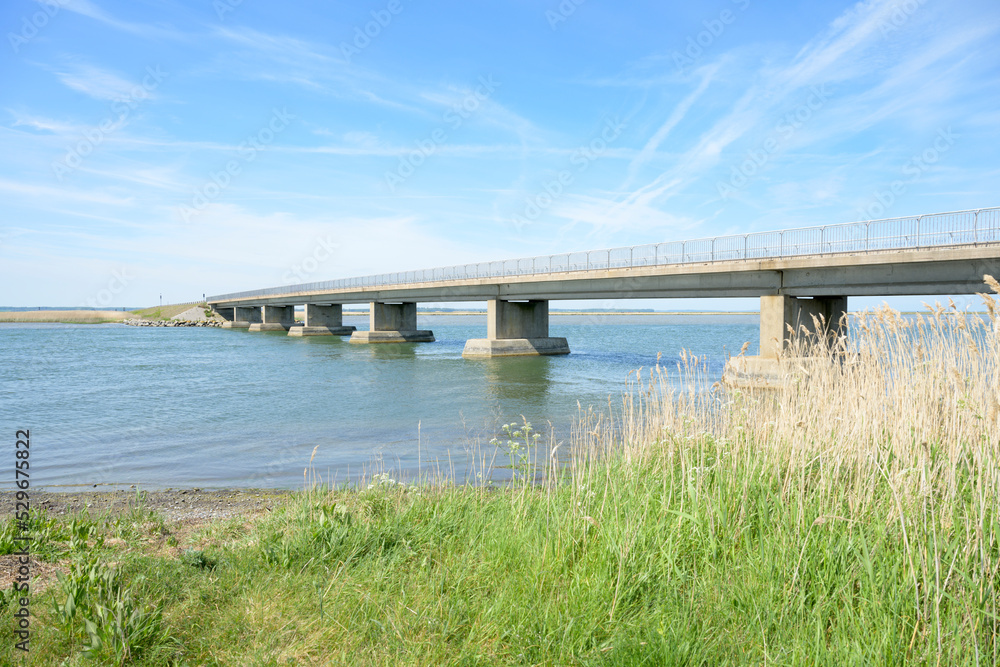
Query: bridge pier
point(227, 314)
point(515, 329)
point(243, 317)
point(392, 323)
point(778, 313)
point(275, 318)
point(323, 321)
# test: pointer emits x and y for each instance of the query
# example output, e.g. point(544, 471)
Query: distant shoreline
point(65, 316)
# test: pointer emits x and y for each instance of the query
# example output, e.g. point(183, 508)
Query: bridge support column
point(323, 321)
point(276, 318)
point(392, 323)
point(516, 329)
point(777, 314)
point(243, 317)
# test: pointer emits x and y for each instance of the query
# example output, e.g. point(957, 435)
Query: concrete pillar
point(228, 314)
point(275, 318)
point(514, 329)
point(506, 320)
point(779, 312)
point(392, 316)
point(243, 317)
point(392, 323)
point(775, 311)
point(323, 321)
point(249, 314)
point(324, 316)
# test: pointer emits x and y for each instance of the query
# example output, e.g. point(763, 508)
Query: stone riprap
point(172, 323)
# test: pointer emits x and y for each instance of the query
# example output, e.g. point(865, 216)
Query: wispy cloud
point(44, 124)
point(840, 57)
point(312, 66)
point(487, 110)
point(288, 60)
point(90, 10)
point(681, 110)
point(607, 217)
point(93, 81)
point(32, 190)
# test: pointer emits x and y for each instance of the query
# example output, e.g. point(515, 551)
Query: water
point(202, 407)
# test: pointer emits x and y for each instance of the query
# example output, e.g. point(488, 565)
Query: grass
point(849, 519)
point(96, 316)
point(164, 312)
point(65, 316)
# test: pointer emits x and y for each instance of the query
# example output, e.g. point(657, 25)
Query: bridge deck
point(941, 253)
point(951, 270)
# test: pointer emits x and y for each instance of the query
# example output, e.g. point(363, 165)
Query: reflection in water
point(390, 351)
point(517, 378)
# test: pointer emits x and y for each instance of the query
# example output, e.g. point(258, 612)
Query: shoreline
point(186, 505)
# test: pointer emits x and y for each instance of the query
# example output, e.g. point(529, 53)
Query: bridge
point(796, 273)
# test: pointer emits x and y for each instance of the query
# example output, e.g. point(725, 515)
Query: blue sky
point(182, 148)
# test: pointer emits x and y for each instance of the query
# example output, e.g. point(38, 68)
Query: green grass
point(665, 563)
point(165, 312)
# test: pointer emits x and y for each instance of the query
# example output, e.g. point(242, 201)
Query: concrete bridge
point(796, 273)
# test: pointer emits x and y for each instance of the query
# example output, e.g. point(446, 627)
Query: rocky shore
point(172, 323)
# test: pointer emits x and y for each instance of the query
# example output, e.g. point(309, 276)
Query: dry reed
point(895, 423)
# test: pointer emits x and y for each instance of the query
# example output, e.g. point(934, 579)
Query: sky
point(182, 148)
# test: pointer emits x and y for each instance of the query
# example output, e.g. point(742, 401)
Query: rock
point(172, 323)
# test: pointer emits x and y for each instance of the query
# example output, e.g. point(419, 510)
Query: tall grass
point(895, 429)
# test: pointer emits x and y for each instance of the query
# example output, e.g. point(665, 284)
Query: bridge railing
point(957, 228)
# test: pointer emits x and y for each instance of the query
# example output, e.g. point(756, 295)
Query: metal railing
point(957, 228)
